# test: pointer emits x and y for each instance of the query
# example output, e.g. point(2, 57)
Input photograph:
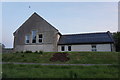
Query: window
point(69, 48)
point(34, 33)
point(40, 37)
point(62, 48)
point(93, 47)
point(27, 39)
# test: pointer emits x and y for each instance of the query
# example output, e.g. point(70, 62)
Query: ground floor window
point(62, 48)
point(94, 47)
point(69, 48)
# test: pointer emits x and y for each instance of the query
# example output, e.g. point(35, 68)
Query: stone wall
point(7, 50)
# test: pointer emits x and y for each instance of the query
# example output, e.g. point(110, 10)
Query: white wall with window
point(85, 47)
point(65, 48)
point(93, 47)
point(34, 37)
point(69, 48)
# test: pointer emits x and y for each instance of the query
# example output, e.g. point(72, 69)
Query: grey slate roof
point(88, 38)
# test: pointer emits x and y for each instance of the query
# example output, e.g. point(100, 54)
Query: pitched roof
point(33, 18)
point(88, 38)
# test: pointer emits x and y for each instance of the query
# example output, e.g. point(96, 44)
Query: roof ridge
point(83, 33)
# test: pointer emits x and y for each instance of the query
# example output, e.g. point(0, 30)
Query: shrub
point(16, 52)
point(28, 52)
point(40, 52)
point(36, 51)
point(116, 37)
point(21, 52)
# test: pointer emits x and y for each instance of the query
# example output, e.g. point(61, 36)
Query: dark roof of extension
point(88, 38)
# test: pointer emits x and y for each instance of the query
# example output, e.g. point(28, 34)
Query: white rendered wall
point(33, 48)
point(50, 47)
point(86, 47)
point(104, 47)
point(76, 48)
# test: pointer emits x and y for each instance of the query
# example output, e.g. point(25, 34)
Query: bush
point(16, 52)
point(21, 52)
point(40, 52)
point(116, 37)
point(28, 52)
point(36, 51)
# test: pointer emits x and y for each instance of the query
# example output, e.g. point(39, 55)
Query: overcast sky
point(67, 17)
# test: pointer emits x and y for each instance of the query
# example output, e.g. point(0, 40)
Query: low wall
point(7, 50)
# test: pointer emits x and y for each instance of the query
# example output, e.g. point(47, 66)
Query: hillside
point(75, 57)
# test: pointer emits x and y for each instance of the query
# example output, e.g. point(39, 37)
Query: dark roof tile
point(104, 37)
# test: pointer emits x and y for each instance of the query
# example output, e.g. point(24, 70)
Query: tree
point(117, 40)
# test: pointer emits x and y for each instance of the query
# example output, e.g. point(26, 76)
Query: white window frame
point(94, 47)
point(40, 38)
point(27, 37)
point(32, 37)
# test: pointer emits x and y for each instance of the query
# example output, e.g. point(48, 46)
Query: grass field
point(75, 58)
point(38, 71)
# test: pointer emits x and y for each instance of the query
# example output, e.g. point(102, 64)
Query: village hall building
point(36, 34)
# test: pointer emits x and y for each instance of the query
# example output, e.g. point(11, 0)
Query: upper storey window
point(40, 37)
point(27, 39)
point(34, 33)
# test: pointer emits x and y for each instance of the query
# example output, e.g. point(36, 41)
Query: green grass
point(39, 71)
point(75, 57)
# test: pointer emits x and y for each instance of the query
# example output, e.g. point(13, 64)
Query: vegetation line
point(53, 64)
